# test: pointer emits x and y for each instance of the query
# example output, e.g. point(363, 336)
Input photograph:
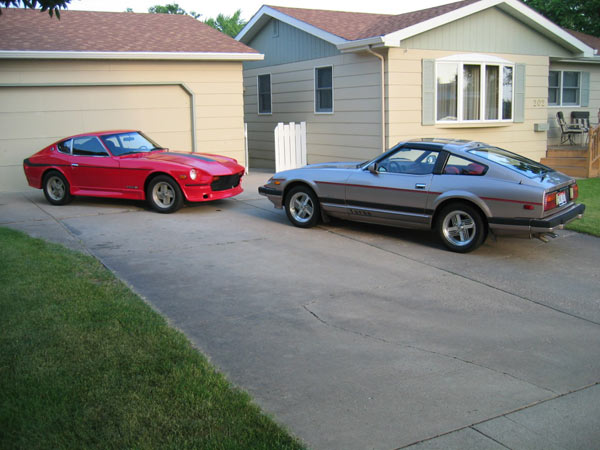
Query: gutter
point(185, 56)
point(382, 59)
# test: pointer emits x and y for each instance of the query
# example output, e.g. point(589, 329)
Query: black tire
point(302, 207)
point(56, 188)
point(164, 195)
point(461, 227)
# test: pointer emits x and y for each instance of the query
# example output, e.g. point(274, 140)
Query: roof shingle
point(353, 26)
point(88, 31)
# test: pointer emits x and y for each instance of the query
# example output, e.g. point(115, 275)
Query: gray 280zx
point(462, 190)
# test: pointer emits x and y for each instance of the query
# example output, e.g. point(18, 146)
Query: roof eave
point(512, 7)
point(182, 56)
point(265, 13)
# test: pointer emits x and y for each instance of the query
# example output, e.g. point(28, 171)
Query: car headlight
point(193, 174)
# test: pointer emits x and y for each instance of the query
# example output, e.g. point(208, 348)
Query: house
point(474, 69)
point(171, 76)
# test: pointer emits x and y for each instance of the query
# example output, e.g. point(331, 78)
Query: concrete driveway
point(360, 337)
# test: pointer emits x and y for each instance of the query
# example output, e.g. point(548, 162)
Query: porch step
point(566, 153)
point(554, 161)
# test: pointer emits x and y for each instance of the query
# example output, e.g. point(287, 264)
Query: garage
point(59, 78)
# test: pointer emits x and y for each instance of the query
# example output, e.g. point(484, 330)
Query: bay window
point(474, 91)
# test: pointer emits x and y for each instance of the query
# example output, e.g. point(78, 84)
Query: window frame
point(318, 89)
point(258, 94)
point(483, 63)
point(561, 87)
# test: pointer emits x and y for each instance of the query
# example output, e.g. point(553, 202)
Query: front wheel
point(302, 207)
point(56, 188)
point(164, 194)
point(460, 227)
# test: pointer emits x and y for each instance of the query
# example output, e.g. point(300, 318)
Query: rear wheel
point(302, 207)
point(164, 195)
point(56, 188)
point(460, 227)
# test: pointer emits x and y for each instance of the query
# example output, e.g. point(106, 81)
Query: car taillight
point(574, 192)
point(550, 201)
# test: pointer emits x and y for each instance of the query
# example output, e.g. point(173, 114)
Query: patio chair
point(567, 132)
point(581, 118)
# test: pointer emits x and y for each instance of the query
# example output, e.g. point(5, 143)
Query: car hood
point(214, 164)
point(334, 165)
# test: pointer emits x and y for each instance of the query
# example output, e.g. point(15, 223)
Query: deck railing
point(594, 151)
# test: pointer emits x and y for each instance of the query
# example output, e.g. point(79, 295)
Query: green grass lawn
point(85, 363)
point(589, 194)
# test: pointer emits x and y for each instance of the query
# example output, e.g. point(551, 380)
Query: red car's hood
point(214, 164)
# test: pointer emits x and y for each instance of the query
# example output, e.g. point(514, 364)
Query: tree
point(171, 8)
point(52, 6)
point(230, 25)
point(578, 15)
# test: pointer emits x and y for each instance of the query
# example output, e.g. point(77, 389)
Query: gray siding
point(290, 45)
point(489, 31)
point(352, 132)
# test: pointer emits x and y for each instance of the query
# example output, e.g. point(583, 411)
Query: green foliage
point(172, 8)
point(230, 25)
point(86, 364)
point(589, 195)
point(578, 15)
point(52, 6)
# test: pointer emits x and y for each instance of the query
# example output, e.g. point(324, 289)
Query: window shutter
point(585, 89)
point(428, 92)
point(519, 93)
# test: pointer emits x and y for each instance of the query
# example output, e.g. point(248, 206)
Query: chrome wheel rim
point(459, 228)
point(56, 188)
point(163, 194)
point(301, 207)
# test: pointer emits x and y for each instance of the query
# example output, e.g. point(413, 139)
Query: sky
point(250, 7)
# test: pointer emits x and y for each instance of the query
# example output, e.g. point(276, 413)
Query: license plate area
point(561, 198)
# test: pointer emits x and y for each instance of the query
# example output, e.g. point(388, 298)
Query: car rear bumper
point(535, 226)
point(273, 195)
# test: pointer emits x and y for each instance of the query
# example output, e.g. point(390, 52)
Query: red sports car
point(126, 164)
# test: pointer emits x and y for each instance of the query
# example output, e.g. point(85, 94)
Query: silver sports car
point(463, 190)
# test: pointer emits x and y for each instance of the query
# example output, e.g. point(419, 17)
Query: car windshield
point(518, 163)
point(129, 142)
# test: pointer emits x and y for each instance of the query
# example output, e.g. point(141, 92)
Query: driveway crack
point(422, 349)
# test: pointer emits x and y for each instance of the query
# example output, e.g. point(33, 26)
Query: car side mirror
point(372, 168)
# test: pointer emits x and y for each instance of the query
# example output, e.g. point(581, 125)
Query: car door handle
point(420, 186)
point(74, 165)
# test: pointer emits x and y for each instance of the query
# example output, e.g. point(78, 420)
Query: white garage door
point(33, 117)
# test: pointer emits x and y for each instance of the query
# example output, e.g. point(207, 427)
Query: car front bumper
point(275, 196)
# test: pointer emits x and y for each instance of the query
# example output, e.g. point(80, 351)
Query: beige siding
point(404, 103)
point(351, 132)
point(491, 30)
point(33, 117)
point(594, 99)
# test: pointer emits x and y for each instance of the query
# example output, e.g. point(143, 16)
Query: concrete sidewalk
point(357, 336)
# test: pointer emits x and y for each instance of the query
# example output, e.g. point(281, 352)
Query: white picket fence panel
point(290, 145)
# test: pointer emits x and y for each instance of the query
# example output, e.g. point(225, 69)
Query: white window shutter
point(519, 106)
point(428, 92)
point(585, 89)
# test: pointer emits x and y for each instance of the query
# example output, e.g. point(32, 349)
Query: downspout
point(382, 59)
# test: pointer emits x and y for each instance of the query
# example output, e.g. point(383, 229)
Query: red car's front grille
point(225, 182)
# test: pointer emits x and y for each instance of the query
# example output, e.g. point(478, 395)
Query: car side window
point(410, 161)
point(461, 166)
point(88, 146)
point(64, 146)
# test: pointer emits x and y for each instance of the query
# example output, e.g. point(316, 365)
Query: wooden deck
point(579, 160)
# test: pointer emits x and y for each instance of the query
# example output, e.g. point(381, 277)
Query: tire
point(56, 188)
point(164, 195)
point(461, 227)
point(302, 207)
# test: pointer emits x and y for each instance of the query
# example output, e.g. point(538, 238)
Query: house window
point(474, 91)
point(324, 89)
point(564, 88)
point(264, 94)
